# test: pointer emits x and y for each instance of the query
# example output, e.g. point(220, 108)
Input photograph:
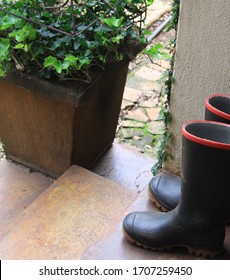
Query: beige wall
point(202, 64)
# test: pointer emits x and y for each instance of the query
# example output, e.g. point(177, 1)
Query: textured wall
point(202, 64)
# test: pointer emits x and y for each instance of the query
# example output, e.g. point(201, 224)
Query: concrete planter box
point(49, 126)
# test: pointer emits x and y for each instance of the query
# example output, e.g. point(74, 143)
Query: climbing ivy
point(2, 154)
point(163, 152)
point(108, 26)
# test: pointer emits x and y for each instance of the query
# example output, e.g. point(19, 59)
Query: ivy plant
point(102, 29)
point(163, 153)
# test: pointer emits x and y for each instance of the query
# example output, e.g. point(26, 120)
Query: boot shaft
point(218, 108)
point(205, 170)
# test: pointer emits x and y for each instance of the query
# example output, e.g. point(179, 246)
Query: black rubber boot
point(217, 108)
point(198, 222)
point(164, 190)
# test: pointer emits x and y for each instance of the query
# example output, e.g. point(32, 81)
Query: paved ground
point(139, 123)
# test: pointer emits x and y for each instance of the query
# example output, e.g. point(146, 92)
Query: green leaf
point(31, 32)
point(117, 39)
point(8, 21)
point(59, 42)
point(46, 33)
point(21, 35)
point(69, 61)
point(54, 63)
point(25, 47)
point(4, 49)
point(50, 61)
point(155, 52)
point(149, 2)
point(19, 46)
point(58, 66)
point(147, 32)
point(112, 21)
point(71, 58)
point(82, 62)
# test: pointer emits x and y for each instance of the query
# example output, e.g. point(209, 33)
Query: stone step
point(70, 216)
point(19, 187)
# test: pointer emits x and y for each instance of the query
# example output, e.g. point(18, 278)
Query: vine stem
point(164, 147)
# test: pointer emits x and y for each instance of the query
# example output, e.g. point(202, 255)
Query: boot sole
point(156, 203)
point(197, 252)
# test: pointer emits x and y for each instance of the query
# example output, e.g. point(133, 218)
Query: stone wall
point(202, 64)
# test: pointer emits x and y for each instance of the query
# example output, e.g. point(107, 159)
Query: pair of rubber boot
point(197, 219)
point(164, 190)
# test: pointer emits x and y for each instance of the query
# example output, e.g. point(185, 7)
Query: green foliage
point(175, 12)
point(4, 49)
point(4, 55)
point(2, 154)
point(112, 21)
point(156, 52)
point(163, 152)
point(102, 35)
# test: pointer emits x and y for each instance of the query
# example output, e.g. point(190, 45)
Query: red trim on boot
point(215, 110)
point(203, 141)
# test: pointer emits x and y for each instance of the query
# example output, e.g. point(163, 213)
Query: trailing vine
point(163, 152)
point(2, 154)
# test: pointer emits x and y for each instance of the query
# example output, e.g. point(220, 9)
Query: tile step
point(71, 215)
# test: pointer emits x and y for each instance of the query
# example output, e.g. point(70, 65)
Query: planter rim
point(71, 92)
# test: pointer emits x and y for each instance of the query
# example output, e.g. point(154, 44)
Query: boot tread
point(197, 252)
